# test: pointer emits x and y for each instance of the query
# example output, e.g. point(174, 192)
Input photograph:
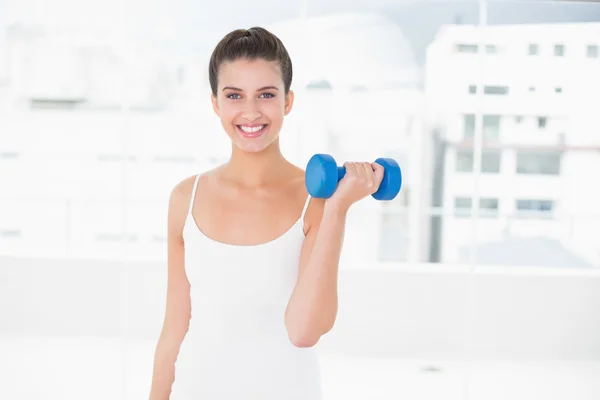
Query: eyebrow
point(240, 90)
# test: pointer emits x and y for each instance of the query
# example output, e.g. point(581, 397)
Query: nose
point(251, 111)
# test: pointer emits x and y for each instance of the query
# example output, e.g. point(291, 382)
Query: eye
point(268, 95)
point(229, 96)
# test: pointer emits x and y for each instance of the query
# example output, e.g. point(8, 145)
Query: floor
point(92, 369)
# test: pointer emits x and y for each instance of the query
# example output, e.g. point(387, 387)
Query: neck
point(255, 169)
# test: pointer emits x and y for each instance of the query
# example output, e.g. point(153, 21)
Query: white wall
point(400, 311)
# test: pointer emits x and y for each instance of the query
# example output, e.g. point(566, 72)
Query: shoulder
point(179, 202)
point(182, 190)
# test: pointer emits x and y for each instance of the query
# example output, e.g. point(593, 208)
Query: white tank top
point(237, 347)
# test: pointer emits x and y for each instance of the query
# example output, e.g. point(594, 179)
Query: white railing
point(98, 228)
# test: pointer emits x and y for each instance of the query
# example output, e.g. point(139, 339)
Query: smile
point(251, 131)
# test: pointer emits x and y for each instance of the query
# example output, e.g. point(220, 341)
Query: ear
point(289, 102)
point(215, 104)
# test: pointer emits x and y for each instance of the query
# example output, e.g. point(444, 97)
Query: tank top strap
point(193, 196)
point(306, 203)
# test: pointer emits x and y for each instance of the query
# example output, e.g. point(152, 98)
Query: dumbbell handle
point(341, 172)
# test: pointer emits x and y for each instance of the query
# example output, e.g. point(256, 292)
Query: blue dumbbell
point(322, 176)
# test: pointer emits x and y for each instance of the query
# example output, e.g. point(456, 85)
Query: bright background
point(480, 281)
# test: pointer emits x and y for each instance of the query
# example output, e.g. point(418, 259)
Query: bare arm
point(312, 309)
point(177, 314)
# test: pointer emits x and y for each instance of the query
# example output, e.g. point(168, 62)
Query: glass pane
point(496, 90)
point(491, 126)
point(462, 206)
point(491, 123)
point(533, 49)
point(539, 163)
point(469, 125)
point(464, 161)
point(490, 161)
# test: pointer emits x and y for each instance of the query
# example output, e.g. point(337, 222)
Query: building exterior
point(537, 88)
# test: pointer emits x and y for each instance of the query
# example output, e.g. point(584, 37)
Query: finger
point(360, 173)
point(367, 171)
point(378, 172)
point(350, 168)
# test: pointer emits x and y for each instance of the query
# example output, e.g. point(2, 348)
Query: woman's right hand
point(362, 179)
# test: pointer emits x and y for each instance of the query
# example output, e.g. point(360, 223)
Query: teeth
point(251, 129)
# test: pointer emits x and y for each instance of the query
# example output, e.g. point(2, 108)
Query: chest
point(246, 219)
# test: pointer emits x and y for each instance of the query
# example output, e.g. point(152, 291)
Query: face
point(251, 103)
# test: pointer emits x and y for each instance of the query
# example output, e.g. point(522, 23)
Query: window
point(462, 206)
point(11, 233)
point(488, 207)
point(490, 161)
point(359, 88)
point(535, 205)
point(466, 48)
point(592, 51)
point(502, 90)
point(534, 208)
point(9, 155)
point(538, 163)
point(558, 90)
point(491, 49)
point(55, 104)
point(491, 126)
point(469, 125)
point(464, 161)
point(518, 119)
point(492, 90)
point(532, 88)
point(559, 50)
point(320, 84)
point(542, 122)
point(533, 50)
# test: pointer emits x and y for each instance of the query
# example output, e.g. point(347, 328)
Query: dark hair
point(251, 44)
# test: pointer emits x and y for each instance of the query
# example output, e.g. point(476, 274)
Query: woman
point(252, 259)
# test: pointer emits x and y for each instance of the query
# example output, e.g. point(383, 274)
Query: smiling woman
point(250, 252)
